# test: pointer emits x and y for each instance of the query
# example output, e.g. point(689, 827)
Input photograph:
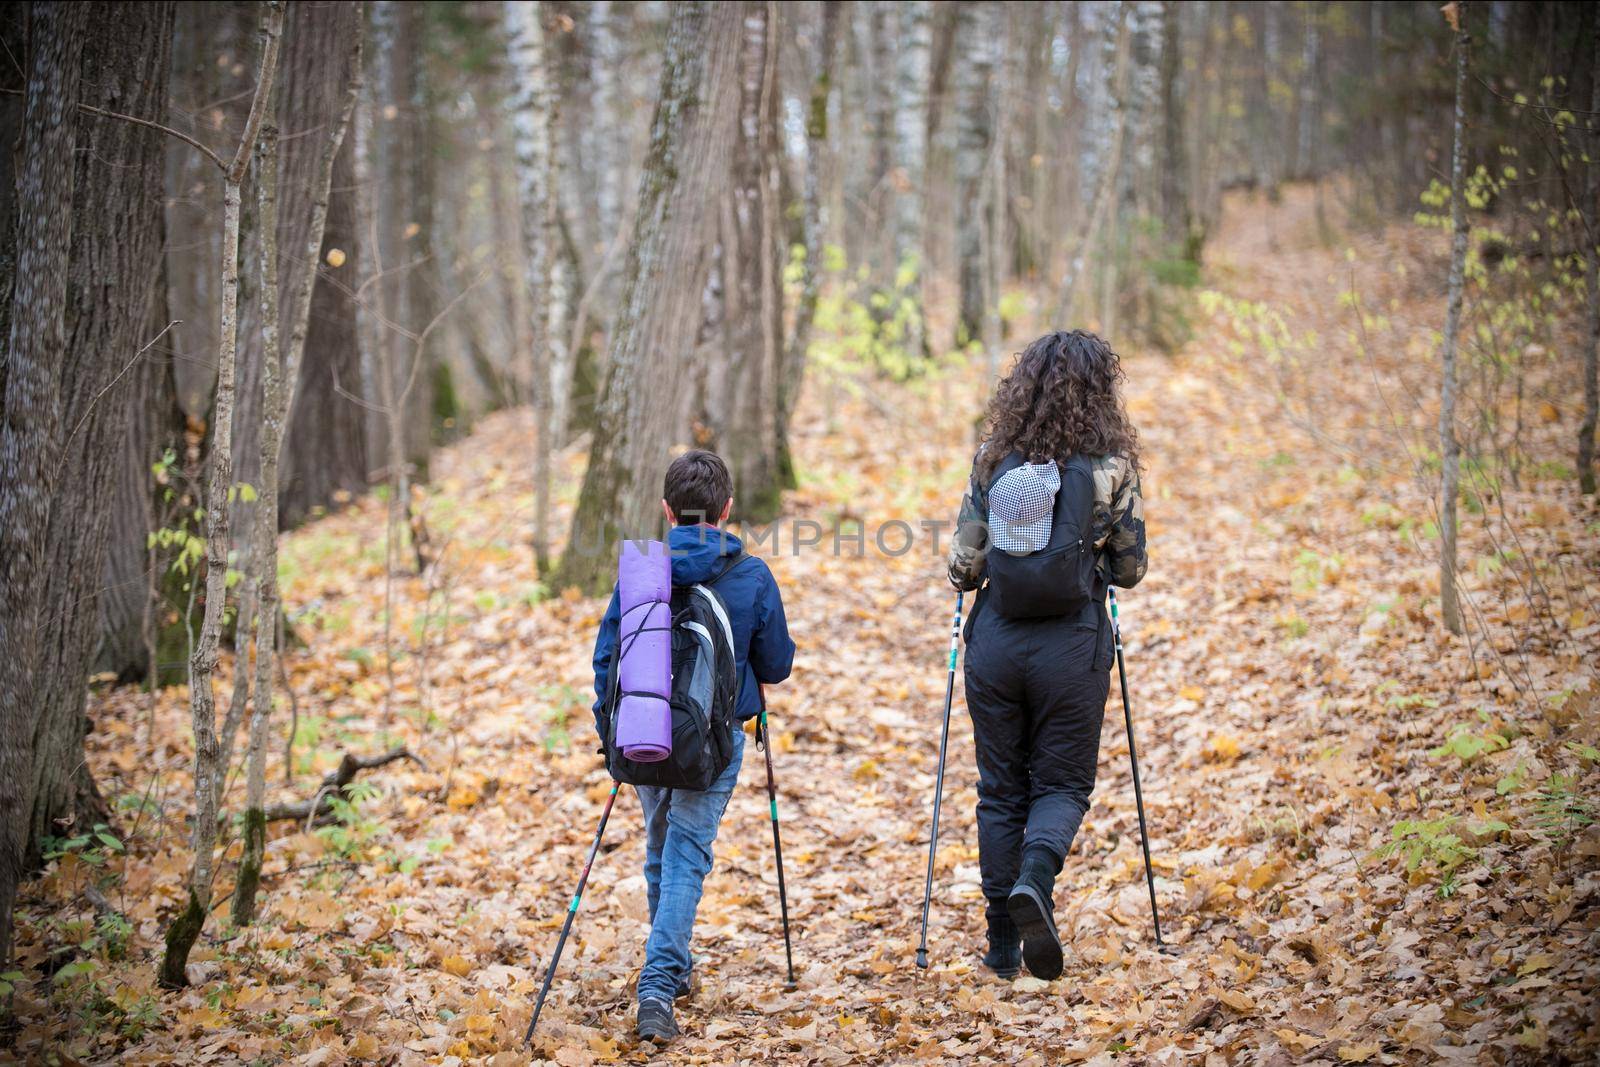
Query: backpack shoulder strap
point(732, 562)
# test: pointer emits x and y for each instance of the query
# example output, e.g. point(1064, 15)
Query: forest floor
point(1298, 708)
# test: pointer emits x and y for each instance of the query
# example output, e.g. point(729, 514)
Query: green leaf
point(75, 968)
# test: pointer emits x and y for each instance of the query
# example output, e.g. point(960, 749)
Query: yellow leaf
point(1223, 748)
point(478, 1023)
point(463, 797)
point(1192, 692)
point(202, 1018)
point(1264, 875)
point(455, 965)
point(412, 229)
point(1536, 962)
point(1358, 1053)
point(364, 1047)
point(867, 771)
point(1295, 1039)
point(335, 257)
point(1237, 1000)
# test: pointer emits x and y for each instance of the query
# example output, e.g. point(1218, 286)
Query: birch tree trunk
point(208, 770)
point(684, 172)
point(533, 122)
point(610, 141)
point(910, 173)
point(30, 433)
point(1449, 445)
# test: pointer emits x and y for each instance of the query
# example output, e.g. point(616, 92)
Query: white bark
point(533, 122)
point(1449, 444)
point(910, 168)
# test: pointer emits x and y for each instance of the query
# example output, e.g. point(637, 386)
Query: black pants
point(1036, 690)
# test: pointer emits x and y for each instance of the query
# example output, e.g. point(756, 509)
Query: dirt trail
point(1288, 683)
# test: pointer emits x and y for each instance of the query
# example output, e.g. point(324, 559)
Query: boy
point(681, 824)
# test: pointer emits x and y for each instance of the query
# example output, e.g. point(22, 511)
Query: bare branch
point(137, 121)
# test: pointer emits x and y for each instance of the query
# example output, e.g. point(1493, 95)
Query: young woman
point(1052, 515)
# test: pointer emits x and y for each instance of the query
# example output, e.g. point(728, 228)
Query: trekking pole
point(938, 787)
point(1133, 755)
point(764, 739)
point(572, 913)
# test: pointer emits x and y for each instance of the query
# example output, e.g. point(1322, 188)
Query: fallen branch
point(350, 766)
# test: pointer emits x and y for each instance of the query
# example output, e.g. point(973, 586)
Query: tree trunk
point(748, 402)
point(140, 635)
point(322, 65)
point(208, 766)
point(116, 247)
point(1449, 445)
point(325, 456)
point(324, 451)
point(997, 245)
point(691, 135)
point(1120, 41)
point(402, 202)
point(31, 430)
point(910, 175)
point(819, 167)
point(533, 119)
point(1591, 260)
point(976, 122)
point(264, 551)
point(1176, 212)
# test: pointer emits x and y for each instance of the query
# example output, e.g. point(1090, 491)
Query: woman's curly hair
point(1061, 399)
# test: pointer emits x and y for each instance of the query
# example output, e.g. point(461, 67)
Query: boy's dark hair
point(697, 487)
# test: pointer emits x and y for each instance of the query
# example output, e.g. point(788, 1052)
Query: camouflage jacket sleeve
point(1119, 521)
point(970, 547)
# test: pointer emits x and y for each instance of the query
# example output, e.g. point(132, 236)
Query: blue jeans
point(680, 827)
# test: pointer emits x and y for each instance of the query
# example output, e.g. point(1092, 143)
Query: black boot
point(655, 1022)
point(1004, 957)
point(1032, 907)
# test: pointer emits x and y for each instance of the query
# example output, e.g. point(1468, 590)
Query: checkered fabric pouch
point(1021, 505)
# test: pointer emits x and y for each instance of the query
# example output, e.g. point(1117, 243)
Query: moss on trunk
point(244, 890)
point(181, 936)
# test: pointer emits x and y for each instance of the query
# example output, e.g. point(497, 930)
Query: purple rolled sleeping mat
point(644, 591)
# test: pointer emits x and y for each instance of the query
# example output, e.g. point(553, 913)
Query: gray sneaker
point(655, 1022)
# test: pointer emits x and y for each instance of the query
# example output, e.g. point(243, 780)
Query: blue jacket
point(762, 649)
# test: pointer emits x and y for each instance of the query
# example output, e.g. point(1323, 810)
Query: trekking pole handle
point(955, 629)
